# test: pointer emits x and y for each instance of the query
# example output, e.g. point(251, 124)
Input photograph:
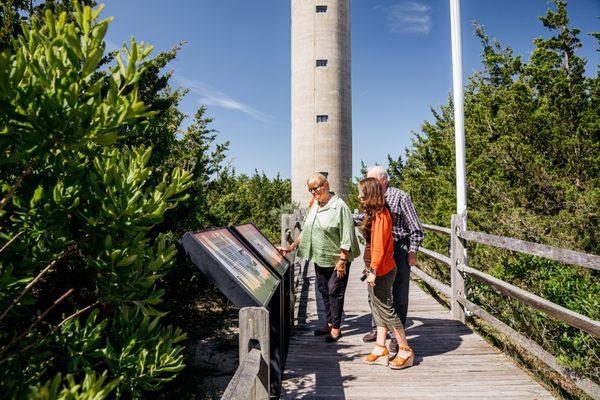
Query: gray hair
point(317, 179)
point(377, 171)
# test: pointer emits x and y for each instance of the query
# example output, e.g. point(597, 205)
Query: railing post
point(296, 222)
point(296, 228)
point(285, 226)
point(458, 260)
point(254, 327)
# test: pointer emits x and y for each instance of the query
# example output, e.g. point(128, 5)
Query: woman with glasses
point(380, 268)
point(329, 241)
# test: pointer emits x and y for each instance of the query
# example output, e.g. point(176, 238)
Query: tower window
point(322, 118)
point(321, 63)
point(321, 9)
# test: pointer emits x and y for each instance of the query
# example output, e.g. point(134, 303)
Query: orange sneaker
point(378, 359)
point(401, 363)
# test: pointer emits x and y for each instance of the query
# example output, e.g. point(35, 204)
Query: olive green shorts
point(382, 302)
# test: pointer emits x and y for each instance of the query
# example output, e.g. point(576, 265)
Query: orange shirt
point(382, 243)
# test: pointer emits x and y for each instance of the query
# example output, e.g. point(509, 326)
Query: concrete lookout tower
point(321, 94)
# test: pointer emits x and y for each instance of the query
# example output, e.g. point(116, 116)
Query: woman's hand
point(288, 249)
point(340, 268)
point(371, 278)
point(285, 250)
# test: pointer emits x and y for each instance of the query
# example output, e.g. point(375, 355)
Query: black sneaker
point(320, 332)
point(331, 339)
point(370, 337)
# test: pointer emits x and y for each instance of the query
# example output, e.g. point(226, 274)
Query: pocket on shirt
point(330, 224)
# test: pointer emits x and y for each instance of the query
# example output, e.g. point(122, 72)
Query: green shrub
point(79, 263)
point(533, 173)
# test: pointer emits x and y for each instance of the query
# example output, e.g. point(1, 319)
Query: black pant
point(333, 290)
point(402, 281)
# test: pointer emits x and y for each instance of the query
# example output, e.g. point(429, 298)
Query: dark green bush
point(79, 265)
point(533, 173)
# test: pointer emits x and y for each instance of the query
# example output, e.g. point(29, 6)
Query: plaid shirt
point(405, 221)
point(404, 217)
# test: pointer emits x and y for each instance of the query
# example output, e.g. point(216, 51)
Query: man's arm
point(411, 219)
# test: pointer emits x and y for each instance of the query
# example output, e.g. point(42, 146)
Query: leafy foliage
point(14, 12)
point(78, 207)
point(93, 387)
point(95, 186)
point(533, 159)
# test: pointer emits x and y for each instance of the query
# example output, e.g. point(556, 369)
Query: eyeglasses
point(314, 189)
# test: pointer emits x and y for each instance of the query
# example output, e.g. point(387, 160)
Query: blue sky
point(237, 62)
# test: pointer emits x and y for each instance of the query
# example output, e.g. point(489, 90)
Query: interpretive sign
point(247, 279)
point(257, 242)
point(233, 257)
point(262, 245)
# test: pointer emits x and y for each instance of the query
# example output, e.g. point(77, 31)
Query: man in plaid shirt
point(408, 235)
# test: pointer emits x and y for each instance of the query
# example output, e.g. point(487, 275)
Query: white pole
point(459, 123)
point(459, 251)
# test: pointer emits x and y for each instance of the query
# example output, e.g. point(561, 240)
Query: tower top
point(321, 95)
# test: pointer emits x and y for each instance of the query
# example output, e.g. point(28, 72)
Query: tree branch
point(76, 314)
point(10, 241)
point(57, 327)
point(38, 319)
point(14, 187)
point(33, 282)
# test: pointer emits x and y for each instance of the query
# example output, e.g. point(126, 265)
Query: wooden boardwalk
point(451, 362)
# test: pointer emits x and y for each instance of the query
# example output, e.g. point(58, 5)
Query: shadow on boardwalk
point(427, 336)
point(319, 370)
point(451, 362)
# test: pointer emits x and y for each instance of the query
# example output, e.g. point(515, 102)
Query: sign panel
point(262, 245)
point(241, 264)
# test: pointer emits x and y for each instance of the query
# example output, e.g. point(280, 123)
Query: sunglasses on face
point(314, 189)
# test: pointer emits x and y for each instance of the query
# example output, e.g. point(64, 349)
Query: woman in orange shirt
point(381, 271)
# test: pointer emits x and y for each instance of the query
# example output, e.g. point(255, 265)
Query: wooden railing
point(457, 291)
point(291, 227)
point(251, 379)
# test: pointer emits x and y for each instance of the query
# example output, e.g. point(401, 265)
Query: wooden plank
point(531, 347)
point(435, 228)
point(535, 249)
point(384, 391)
point(285, 226)
point(551, 309)
point(297, 224)
point(457, 278)
point(254, 329)
point(241, 384)
point(436, 256)
point(450, 360)
point(434, 283)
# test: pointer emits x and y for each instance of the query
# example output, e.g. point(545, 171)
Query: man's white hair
point(377, 171)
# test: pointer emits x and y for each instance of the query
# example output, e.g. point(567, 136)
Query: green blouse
point(326, 231)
